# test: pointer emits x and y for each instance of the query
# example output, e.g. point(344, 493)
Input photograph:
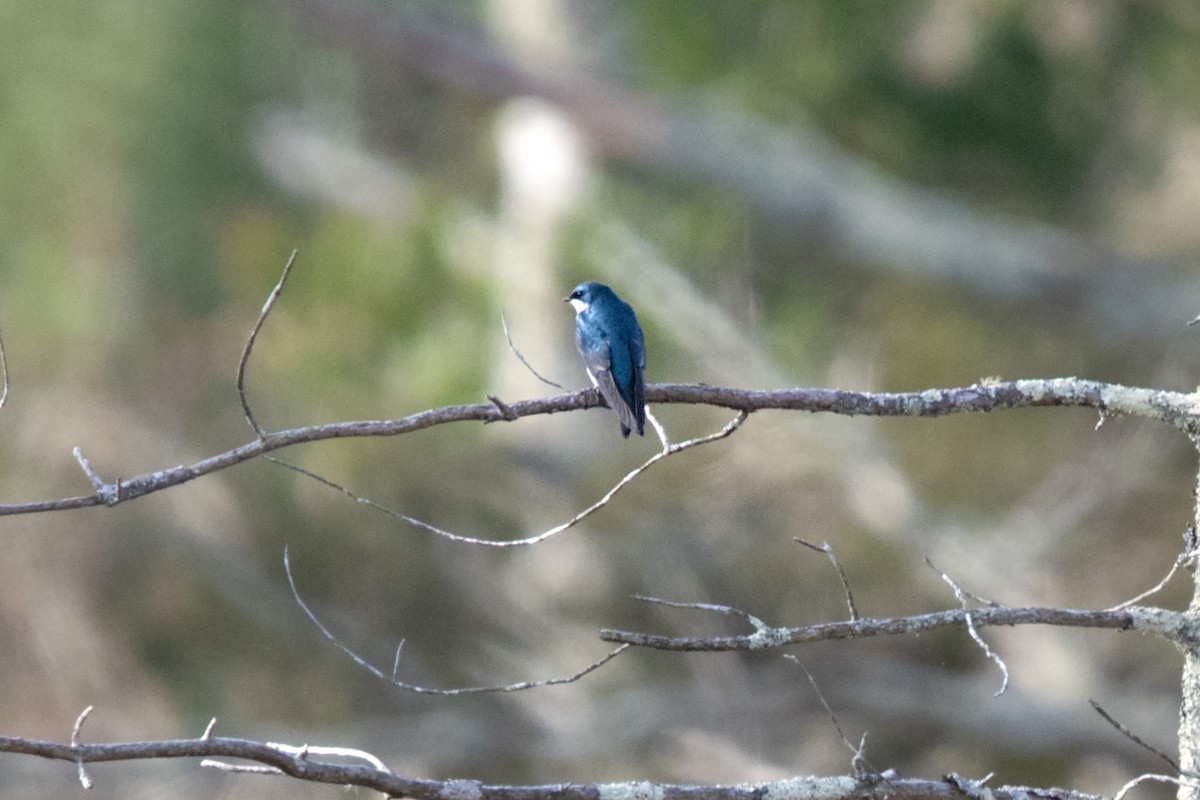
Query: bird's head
point(585, 294)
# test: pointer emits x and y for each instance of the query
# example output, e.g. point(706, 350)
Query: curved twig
point(241, 369)
point(418, 689)
point(726, 431)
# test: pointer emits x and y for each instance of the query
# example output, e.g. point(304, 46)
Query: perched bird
point(610, 340)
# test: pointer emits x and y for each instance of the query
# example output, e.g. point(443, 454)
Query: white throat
point(578, 305)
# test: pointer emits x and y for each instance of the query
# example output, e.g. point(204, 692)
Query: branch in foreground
point(1171, 625)
point(1180, 410)
point(298, 762)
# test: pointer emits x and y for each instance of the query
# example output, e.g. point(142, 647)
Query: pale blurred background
point(868, 195)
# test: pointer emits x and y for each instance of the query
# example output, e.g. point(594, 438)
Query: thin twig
point(505, 410)
point(541, 537)
point(4, 370)
point(718, 608)
point(1158, 587)
point(97, 482)
point(521, 358)
point(856, 751)
point(300, 753)
point(828, 551)
point(862, 766)
point(659, 429)
point(973, 788)
point(970, 622)
point(418, 689)
point(764, 635)
point(1153, 777)
point(111, 493)
point(245, 769)
point(1133, 737)
point(85, 780)
point(241, 370)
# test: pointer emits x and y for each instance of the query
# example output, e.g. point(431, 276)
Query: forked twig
point(110, 492)
point(729, 428)
point(764, 635)
point(961, 596)
point(417, 689)
point(262, 317)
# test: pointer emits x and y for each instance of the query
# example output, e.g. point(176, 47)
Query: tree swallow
point(610, 340)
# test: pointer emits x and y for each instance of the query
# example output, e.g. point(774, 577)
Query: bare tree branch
point(1171, 625)
point(299, 762)
point(1174, 408)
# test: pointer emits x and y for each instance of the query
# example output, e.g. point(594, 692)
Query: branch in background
point(858, 211)
point(806, 179)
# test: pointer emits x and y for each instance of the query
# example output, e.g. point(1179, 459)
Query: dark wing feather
point(638, 356)
point(612, 396)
